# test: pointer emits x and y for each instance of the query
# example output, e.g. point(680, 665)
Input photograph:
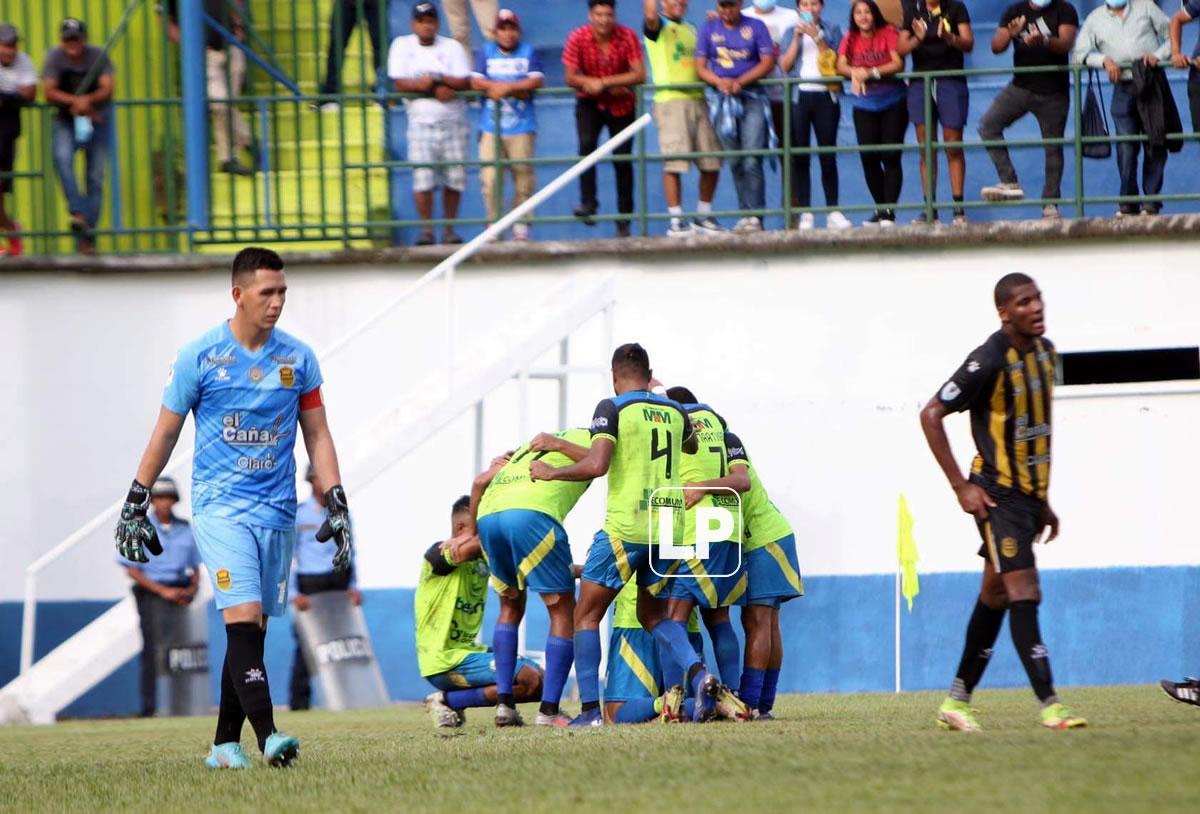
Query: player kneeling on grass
point(449, 604)
point(248, 385)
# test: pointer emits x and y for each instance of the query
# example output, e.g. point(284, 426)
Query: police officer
point(168, 579)
point(311, 574)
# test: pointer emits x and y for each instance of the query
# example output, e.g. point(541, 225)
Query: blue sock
point(689, 708)
point(770, 682)
point(672, 639)
point(728, 653)
point(560, 653)
point(637, 711)
point(587, 665)
point(461, 699)
point(752, 687)
point(504, 647)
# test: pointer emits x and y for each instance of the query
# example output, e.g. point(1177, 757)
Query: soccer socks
point(728, 653)
point(672, 639)
point(982, 631)
point(461, 699)
point(587, 667)
point(766, 701)
point(229, 714)
point(504, 647)
point(752, 686)
point(560, 653)
point(1027, 638)
point(248, 674)
point(637, 711)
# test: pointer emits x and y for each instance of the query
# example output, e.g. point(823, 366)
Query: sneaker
point(960, 217)
point(236, 168)
point(1050, 212)
point(837, 221)
point(707, 225)
point(426, 238)
point(1150, 210)
point(593, 717)
point(763, 715)
point(679, 228)
point(15, 246)
point(747, 225)
point(520, 232)
point(443, 715)
point(881, 218)
point(451, 238)
point(887, 218)
point(729, 706)
point(324, 107)
point(672, 708)
point(1185, 692)
point(507, 716)
point(957, 715)
point(1057, 716)
point(281, 750)
point(923, 219)
point(1126, 211)
point(586, 213)
point(555, 720)
point(806, 222)
point(1003, 192)
point(227, 756)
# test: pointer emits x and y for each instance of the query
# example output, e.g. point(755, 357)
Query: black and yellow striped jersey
point(1008, 393)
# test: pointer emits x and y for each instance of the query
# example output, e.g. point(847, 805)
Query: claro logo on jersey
point(716, 519)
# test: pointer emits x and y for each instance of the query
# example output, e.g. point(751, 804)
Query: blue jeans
point(96, 151)
point(748, 170)
point(1127, 122)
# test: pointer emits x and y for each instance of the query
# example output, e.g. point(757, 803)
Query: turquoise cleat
point(227, 756)
point(281, 749)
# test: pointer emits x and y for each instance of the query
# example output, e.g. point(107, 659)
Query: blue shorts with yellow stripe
point(526, 550)
point(716, 582)
point(476, 670)
point(774, 573)
point(612, 562)
point(633, 668)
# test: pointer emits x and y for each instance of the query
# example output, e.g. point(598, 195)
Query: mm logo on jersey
point(234, 434)
point(701, 423)
point(716, 523)
point(655, 416)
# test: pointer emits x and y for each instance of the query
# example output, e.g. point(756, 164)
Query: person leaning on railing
point(18, 87)
point(779, 20)
point(938, 33)
point(870, 59)
point(1116, 34)
point(1042, 34)
point(1189, 12)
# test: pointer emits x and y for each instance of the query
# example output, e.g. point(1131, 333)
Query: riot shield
point(337, 649)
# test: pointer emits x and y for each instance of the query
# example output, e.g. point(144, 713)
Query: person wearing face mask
point(1042, 33)
point(1114, 35)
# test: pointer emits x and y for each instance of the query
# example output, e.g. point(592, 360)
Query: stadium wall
point(819, 359)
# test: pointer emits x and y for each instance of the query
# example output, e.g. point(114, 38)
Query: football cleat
point(592, 717)
point(672, 706)
point(507, 716)
point(764, 715)
point(706, 692)
point(443, 715)
point(227, 756)
point(957, 715)
point(728, 706)
point(1057, 716)
point(1185, 692)
point(555, 720)
point(281, 750)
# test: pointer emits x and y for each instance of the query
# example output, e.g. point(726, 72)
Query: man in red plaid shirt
point(603, 61)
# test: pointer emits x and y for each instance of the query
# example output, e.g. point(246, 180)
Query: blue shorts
point(476, 670)
point(951, 99)
point(696, 580)
point(633, 667)
point(246, 563)
point(774, 573)
point(527, 550)
point(612, 562)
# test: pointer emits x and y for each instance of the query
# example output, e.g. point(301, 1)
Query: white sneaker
point(806, 222)
point(520, 232)
point(1050, 212)
point(707, 225)
point(679, 228)
point(1002, 192)
point(837, 221)
point(325, 107)
point(750, 224)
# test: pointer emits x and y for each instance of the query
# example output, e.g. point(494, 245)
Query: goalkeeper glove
point(337, 526)
point(134, 533)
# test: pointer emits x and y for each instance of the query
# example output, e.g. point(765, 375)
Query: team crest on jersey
point(1008, 547)
point(256, 374)
point(224, 581)
point(746, 32)
point(287, 377)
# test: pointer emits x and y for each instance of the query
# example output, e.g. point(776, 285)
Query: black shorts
point(1011, 527)
point(8, 156)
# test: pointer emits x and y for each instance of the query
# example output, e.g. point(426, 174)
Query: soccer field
point(828, 752)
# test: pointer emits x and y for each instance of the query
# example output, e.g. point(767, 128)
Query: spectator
point(680, 115)
point(1189, 12)
point(1042, 33)
point(869, 57)
point(808, 52)
point(345, 16)
point(733, 52)
point(1113, 35)
point(79, 82)
point(937, 33)
point(168, 579)
point(435, 68)
point(460, 25)
point(508, 71)
point(18, 86)
point(779, 21)
point(603, 61)
point(225, 69)
point(312, 573)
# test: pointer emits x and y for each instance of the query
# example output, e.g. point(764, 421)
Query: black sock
point(982, 631)
point(229, 714)
point(546, 708)
point(1023, 620)
point(505, 698)
point(588, 706)
point(249, 674)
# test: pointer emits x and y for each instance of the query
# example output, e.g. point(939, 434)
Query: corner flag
point(906, 551)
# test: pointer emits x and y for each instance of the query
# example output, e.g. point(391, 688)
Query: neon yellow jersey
point(672, 53)
point(625, 610)
point(647, 432)
point(762, 522)
point(513, 489)
point(710, 462)
point(449, 613)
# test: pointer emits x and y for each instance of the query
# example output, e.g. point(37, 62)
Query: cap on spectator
point(164, 487)
point(507, 16)
point(424, 10)
point(8, 34)
point(73, 29)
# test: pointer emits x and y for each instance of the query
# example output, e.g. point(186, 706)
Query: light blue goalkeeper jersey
point(246, 408)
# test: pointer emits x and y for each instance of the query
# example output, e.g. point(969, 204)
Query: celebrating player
point(1007, 384)
point(520, 527)
point(248, 385)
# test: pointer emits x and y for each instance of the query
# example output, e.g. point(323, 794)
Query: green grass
point(828, 752)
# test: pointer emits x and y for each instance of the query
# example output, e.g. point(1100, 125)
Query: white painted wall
point(819, 362)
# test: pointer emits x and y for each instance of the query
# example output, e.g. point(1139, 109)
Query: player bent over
point(1007, 384)
point(248, 385)
point(449, 603)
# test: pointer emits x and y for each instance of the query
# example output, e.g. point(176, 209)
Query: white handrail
point(446, 267)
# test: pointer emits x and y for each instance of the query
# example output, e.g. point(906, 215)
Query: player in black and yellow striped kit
point(1007, 384)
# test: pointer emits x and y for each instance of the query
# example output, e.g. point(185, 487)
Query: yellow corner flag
point(906, 550)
